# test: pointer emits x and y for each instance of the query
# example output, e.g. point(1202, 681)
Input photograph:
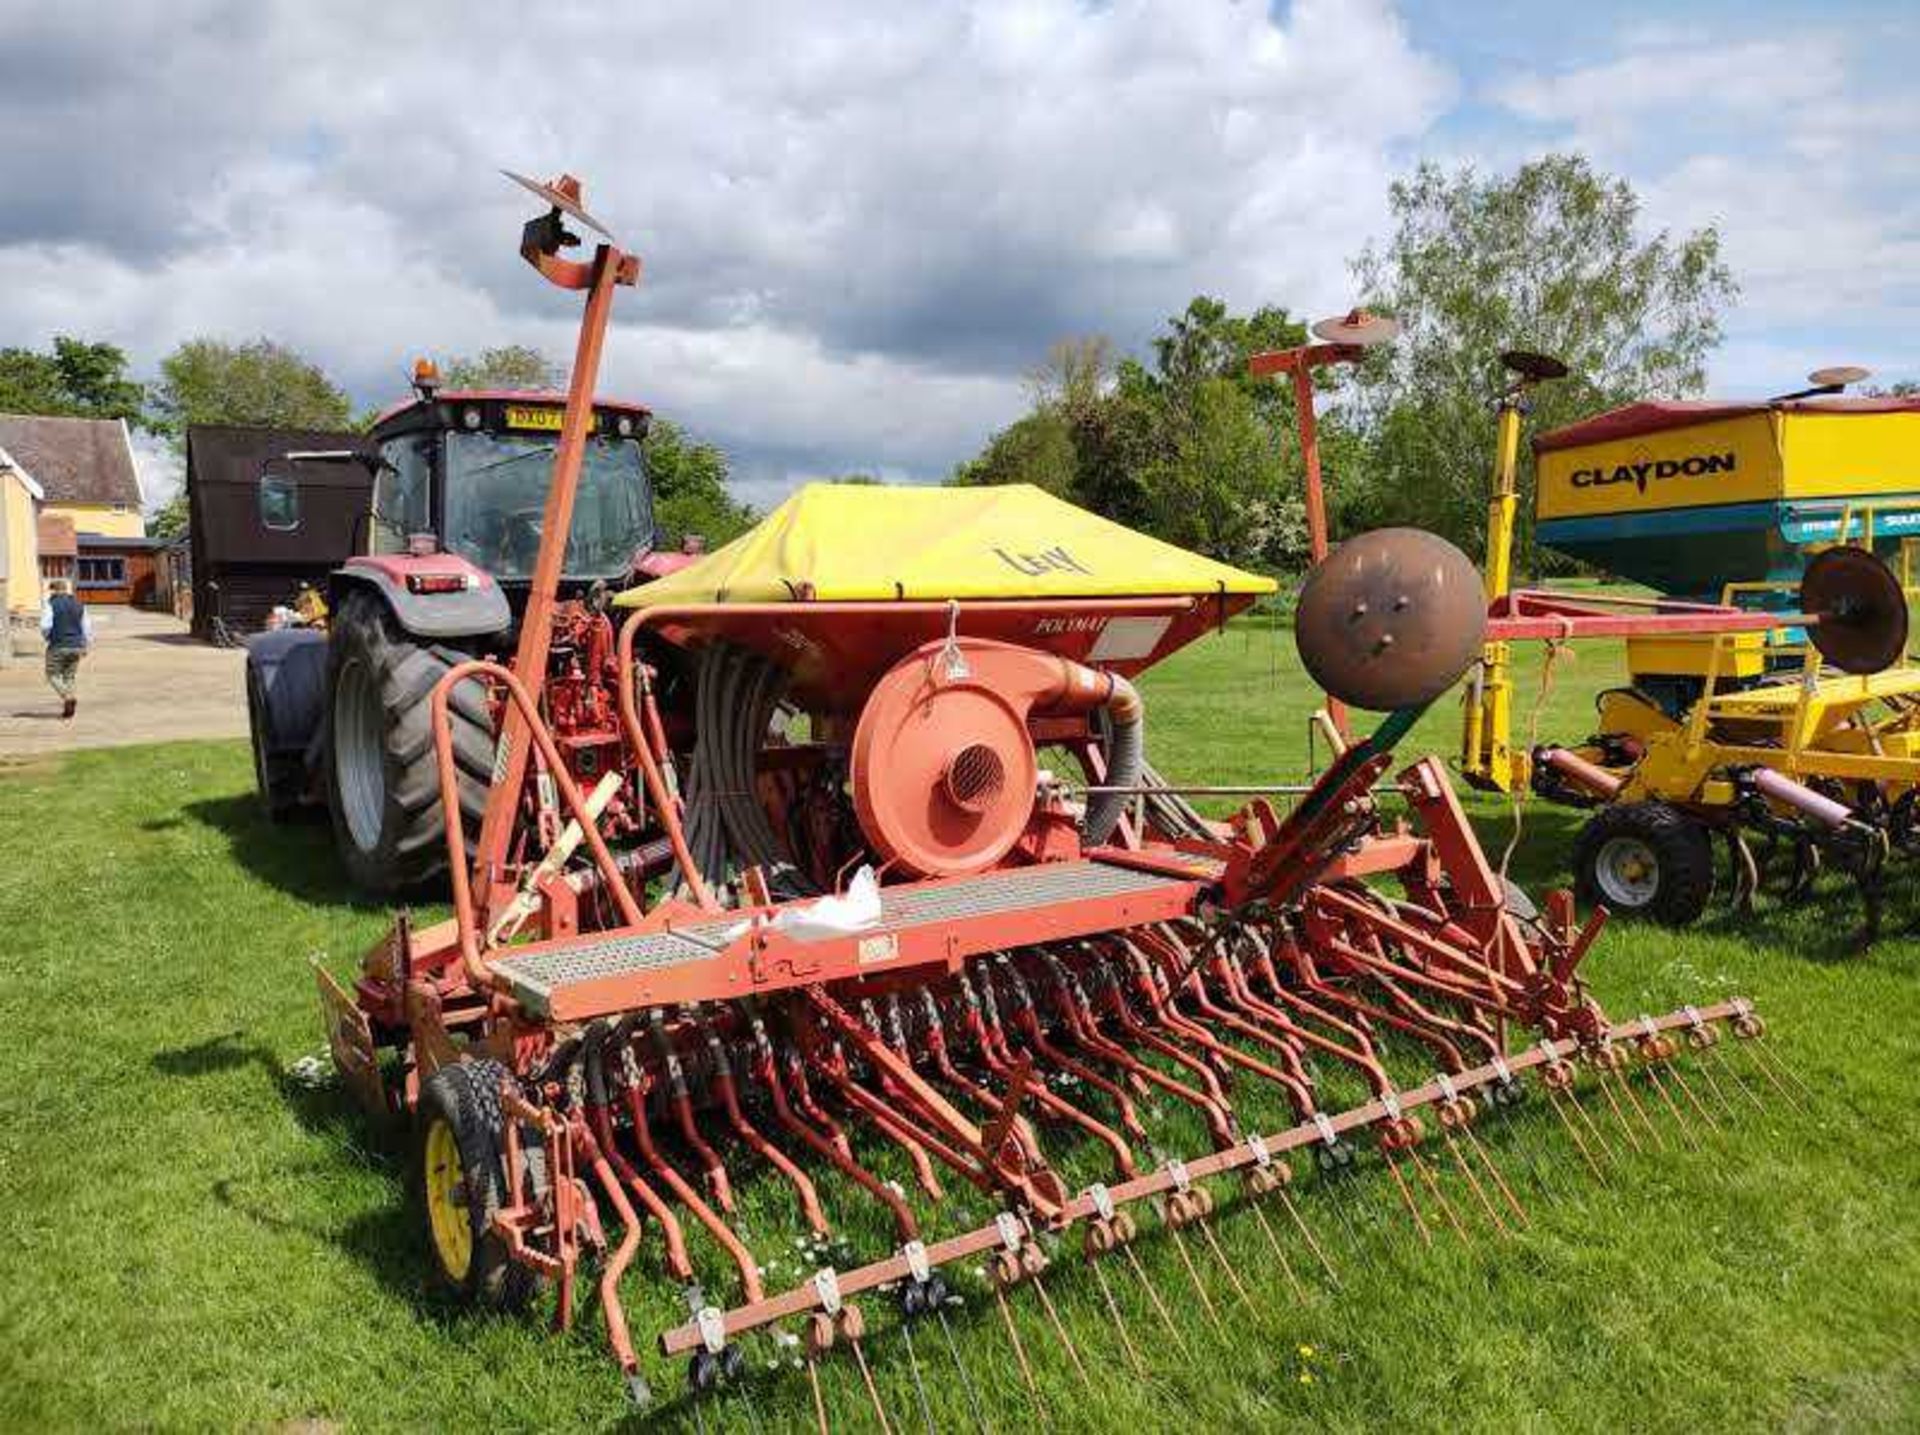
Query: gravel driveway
point(146, 680)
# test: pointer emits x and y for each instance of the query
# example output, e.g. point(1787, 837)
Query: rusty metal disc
point(1533, 367)
point(1390, 619)
point(1861, 608)
point(1360, 327)
point(1838, 376)
point(568, 204)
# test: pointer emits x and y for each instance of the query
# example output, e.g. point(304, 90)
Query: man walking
point(68, 631)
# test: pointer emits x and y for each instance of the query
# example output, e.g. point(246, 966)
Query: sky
point(863, 223)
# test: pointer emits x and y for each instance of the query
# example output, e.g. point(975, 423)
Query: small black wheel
point(1507, 1092)
point(463, 1180)
point(1645, 859)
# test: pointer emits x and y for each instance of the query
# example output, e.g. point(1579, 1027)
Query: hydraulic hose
point(736, 693)
point(1126, 758)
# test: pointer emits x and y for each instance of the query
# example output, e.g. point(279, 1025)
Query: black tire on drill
point(1671, 877)
point(382, 775)
point(463, 1099)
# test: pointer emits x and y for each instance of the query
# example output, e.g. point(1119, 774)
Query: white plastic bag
point(837, 915)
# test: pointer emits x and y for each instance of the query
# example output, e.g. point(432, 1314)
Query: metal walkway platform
point(539, 976)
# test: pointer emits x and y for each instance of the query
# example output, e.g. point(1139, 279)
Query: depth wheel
point(1645, 859)
point(462, 1174)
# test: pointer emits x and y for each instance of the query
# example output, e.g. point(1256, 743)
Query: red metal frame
point(1254, 950)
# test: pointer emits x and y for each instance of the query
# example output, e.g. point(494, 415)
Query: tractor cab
point(472, 468)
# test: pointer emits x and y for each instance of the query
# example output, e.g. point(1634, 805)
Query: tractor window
point(400, 494)
point(497, 495)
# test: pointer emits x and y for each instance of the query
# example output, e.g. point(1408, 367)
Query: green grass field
point(192, 1235)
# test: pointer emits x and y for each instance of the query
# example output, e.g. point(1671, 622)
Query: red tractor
point(445, 573)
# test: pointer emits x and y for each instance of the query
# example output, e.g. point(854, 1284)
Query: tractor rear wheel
point(383, 779)
point(462, 1181)
point(1646, 859)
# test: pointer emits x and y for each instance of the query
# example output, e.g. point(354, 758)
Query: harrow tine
point(1619, 1112)
point(753, 1410)
point(1728, 1109)
point(1522, 1139)
point(1499, 1180)
point(1559, 1104)
point(1233, 1276)
point(1340, 1200)
point(1776, 1071)
point(815, 1343)
point(1306, 1234)
point(1119, 1321)
point(1639, 1109)
point(960, 1368)
point(1060, 1329)
point(913, 1365)
point(1686, 1089)
point(1193, 1274)
point(1425, 1173)
point(1153, 1296)
point(819, 1403)
point(873, 1390)
point(1473, 1182)
point(1279, 1251)
point(1406, 1196)
point(1741, 1084)
point(1679, 1117)
point(1019, 1348)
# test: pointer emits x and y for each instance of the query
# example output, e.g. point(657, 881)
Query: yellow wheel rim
point(447, 1202)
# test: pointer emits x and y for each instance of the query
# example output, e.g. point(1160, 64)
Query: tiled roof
point(56, 536)
point(74, 460)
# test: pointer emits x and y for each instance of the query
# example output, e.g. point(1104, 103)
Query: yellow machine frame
point(1487, 758)
point(1804, 728)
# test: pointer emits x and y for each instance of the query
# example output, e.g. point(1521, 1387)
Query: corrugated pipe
point(1126, 757)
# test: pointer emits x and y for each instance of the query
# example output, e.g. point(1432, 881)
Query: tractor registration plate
point(522, 416)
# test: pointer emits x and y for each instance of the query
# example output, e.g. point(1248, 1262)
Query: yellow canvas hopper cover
point(858, 543)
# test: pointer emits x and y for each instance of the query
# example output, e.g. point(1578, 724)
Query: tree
point(209, 381)
point(169, 520)
point(690, 495)
point(511, 366)
point(75, 379)
point(1189, 447)
point(1550, 258)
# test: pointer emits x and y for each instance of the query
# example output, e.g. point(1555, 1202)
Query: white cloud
point(1795, 153)
point(860, 221)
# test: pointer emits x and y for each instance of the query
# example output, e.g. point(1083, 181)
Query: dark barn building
point(260, 527)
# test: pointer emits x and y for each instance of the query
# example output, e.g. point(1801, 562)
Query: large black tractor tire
point(1645, 859)
point(382, 775)
point(286, 702)
point(460, 1171)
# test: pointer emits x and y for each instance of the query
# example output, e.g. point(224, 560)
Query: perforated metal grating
point(536, 975)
